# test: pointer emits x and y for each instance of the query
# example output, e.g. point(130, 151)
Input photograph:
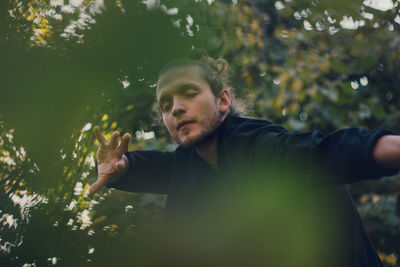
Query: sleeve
point(149, 172)
point(342, 157)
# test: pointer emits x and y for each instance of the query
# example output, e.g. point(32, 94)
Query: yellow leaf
point(251, 40)
point(43, 30)
point(30, 6)
point(390, 259)
point(45, 21)
point(32, 9)
point(294, 107)
point(325, 66)
point(107, 136)
point(100, 219)
point(239, 33)
point(297, 85)
point(86, 188)
point(283, 78)
point(40, 40)
point(254, 24)
point(31, 17)
point(105, 117)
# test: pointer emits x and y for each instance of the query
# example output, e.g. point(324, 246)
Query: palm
point(111, 160)
point(107, 159)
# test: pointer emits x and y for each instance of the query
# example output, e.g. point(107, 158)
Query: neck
point(209, 151)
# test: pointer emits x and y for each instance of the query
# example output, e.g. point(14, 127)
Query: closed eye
point(191, 92)
point(186, 91)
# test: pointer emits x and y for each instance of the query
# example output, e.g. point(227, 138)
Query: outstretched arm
point(387, 151)
point(112, 163)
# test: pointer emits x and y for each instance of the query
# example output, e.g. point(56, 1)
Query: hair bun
point(221, 65)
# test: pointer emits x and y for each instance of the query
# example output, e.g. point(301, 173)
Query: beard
point(208, 132)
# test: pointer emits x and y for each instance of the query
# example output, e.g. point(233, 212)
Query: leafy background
point(69, 65)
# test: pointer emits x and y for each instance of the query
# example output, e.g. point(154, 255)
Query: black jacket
point(297, 177)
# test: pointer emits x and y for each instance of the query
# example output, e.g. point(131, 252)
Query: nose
point(178, 106)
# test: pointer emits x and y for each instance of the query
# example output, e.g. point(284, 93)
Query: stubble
point(208, 132)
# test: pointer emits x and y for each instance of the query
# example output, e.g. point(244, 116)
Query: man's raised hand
point(112, 163)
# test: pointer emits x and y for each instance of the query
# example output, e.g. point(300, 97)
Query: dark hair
point(214, 72)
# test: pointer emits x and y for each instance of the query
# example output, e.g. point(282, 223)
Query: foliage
point(68, 66)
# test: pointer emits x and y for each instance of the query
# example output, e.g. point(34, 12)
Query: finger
point(96, 186)
point(100, 136)
point(114, 139)
point(123, 147)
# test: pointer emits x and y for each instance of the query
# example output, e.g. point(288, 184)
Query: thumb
point(96, 186)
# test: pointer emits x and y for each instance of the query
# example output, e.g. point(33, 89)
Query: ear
point(224, 101)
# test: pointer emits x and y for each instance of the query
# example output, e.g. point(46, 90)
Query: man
point(221, 155)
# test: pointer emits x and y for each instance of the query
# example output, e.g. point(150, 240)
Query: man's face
point(189, 108)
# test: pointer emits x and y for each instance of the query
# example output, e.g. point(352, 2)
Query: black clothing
point(255, 154)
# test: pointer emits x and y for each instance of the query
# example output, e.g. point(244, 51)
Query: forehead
point(179, 76)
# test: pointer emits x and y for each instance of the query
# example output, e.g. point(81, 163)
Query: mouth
point(183, 123)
